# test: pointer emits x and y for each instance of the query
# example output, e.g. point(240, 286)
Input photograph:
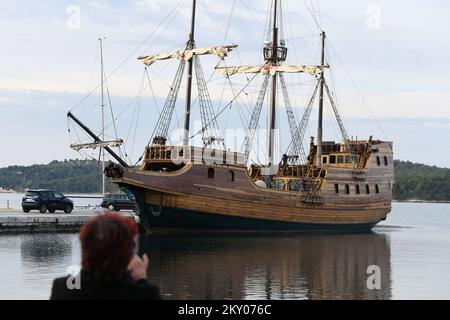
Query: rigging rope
point(359, 91)
point(254, 120)
point(175, 9)
point(313, 15)
point(112, 112)
point(301, 129)
point(206, 109)
point(224, 108)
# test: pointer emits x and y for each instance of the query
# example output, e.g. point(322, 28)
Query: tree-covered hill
point(421, 182)
point(412, 181)
point(74, 176)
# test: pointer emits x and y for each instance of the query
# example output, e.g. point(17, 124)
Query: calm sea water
point(411, 250)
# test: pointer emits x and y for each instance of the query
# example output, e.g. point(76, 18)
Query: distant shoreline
point(421, 201)
point(88, 195)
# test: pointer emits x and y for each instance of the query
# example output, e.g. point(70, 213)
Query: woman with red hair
point(110, 270)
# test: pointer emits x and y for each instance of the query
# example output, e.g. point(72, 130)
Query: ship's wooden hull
point(190, 199)
point(169, 219)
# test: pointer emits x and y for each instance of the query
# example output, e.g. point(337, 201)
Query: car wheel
point(68, 209)
point(51, 210)
point(43, 209)
point(111, 207)
point(26, 210)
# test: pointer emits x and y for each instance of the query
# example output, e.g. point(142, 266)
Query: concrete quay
point(16, 221)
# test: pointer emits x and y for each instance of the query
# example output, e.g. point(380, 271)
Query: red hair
point(107, 244)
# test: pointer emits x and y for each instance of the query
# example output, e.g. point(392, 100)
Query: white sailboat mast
point(102, 150)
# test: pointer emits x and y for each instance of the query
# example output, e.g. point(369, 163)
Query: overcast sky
point(389, 62)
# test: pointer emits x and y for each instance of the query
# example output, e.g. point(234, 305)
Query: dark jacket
point(124, 288)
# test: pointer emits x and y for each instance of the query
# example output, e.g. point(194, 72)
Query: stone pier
point(18, 221)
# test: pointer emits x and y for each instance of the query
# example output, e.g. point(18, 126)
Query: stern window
point(230, 176)
point(367, 189)
point(211, 173)
point(336, 188)
point(385, 161)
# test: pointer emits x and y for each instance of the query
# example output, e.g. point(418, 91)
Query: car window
point(48, 194)
point(58, 195)
point(31, 193)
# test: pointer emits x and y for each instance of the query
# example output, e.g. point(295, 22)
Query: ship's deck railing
point(196, 155)
point(333, 147)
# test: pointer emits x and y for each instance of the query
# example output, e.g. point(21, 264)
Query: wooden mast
point(320, 118)
point(272, 107)
point(187, 112)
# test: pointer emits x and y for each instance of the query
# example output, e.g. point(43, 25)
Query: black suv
point(117, 202)
point(44, 200)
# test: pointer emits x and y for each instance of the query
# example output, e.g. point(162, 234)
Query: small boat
point(6, 190)
point(343, 186)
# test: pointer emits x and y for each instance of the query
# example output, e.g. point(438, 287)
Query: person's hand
point(138, 267)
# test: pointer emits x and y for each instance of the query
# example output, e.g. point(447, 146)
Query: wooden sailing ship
point(336, 186)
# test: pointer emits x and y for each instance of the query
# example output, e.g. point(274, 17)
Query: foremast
point(190, 54)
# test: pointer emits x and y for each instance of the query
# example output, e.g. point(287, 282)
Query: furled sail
point(184, 55)
point(268, 69)
point(94, 145)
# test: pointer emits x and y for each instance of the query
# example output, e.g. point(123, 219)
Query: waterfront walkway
point(19, 221)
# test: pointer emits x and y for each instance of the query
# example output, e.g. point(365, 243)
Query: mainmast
point(189, 46)
point(102, 151)
point(273, 55)
point(320, 121)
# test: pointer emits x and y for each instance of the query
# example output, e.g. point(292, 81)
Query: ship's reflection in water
point(41, 253)
point(275, 267)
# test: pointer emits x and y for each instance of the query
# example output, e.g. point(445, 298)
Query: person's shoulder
point(59, 288)
point(144, 290)
point(60, 281)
